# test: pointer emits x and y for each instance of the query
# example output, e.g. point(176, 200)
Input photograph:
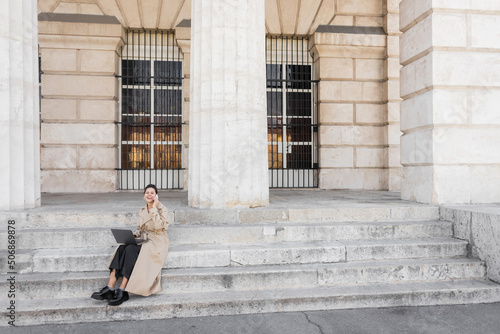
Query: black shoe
point(104, 293)
point(120, 297)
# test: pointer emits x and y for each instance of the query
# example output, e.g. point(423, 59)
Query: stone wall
point(369, 13)
point(349, 63)
point(360, 134)
point(359, 89)
point(79, 60)
point(480, 226)
point(451, 89)
point(392, 73)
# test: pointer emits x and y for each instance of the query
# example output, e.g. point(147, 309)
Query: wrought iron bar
point(151, 111)
point(292, 114)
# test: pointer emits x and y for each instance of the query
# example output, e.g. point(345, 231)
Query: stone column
point(19, 111)
point(228, 129)
point(450, 84)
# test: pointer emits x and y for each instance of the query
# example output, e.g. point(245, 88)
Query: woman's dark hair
point(151, 186)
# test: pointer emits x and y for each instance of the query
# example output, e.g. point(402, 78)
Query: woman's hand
point(137, 234)
point(156, 201)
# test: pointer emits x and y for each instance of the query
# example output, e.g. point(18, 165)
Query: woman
point(140, 265)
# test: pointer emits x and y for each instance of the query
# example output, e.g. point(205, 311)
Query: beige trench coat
point(146, 275)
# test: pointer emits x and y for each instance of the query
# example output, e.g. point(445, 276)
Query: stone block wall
point(79, 106)
point(369, 13)
point(451, 89)
point(480, 227)
point(350, 64)
point(358, 94)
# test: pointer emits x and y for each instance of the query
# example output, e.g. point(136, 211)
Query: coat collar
point(145, 207)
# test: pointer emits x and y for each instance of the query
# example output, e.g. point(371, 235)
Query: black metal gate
point(291, 114)
point(151, 111)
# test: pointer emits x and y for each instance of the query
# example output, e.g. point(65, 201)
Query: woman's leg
point(130, 255)
point(116, 264)
point(112, 278)
point(127, 263)
point(124, 283)
point(108, 291)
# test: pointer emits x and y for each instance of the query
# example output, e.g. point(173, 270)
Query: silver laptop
point(126, 237)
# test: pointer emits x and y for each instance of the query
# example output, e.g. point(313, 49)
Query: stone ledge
point(72, 310)
point(348, 51)
point(79, 25)
point(237, 233)
point(350, 30)
point(480, 226)
point(255, 254)
point(348, 39)
point(222, 279)
point(186, 23)
point(78, 18)
point(81, 42)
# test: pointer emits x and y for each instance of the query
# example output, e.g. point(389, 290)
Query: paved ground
point(178, 200)
point(466, 319)
point(130, 201)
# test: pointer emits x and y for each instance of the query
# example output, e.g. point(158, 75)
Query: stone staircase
point(249, 261)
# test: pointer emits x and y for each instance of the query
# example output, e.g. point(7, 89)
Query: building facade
point(369, 95)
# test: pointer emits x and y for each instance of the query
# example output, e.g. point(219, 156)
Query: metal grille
point(151, 111)
point(291, 114)
point(40, 72)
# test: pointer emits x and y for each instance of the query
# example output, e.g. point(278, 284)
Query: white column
point(19, 105)
point(228, 162)
point(450, 84)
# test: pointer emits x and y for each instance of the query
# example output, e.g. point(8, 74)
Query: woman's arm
point(160, 218)
point(137, 232)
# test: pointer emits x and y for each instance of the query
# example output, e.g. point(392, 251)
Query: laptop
point(126, 237)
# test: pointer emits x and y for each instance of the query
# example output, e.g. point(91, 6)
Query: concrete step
point(93, 237)
point(85, 309)
point(404, 249)
point(63, 285)
point(71, 217)
point(199, 256)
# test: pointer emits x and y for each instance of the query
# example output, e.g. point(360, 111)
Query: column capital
point(98, 32)
point(342, 41)
point(183, 36)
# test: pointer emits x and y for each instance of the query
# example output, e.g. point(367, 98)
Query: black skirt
point(124, 260)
